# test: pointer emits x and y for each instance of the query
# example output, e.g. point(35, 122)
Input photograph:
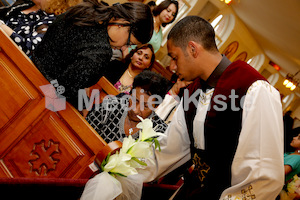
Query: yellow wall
point(241, 34)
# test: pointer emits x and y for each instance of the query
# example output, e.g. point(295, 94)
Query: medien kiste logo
point(54, 100)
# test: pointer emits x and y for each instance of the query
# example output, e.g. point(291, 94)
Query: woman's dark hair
point(152, 83)
point(138, 47)
point(164, 5)
point(92, 12)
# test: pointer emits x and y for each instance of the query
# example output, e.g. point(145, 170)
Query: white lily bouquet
point(291, 190)
point(119, 178)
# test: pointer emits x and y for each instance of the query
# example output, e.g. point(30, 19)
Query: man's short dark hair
point(193, 28)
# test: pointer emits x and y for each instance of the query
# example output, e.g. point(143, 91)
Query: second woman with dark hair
point(164, 14)
point(139, 59)
point(77, 48)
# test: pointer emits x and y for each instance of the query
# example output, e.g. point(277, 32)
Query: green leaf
point(119, 174)
point(157, 144)
point(104, 162)
point(138, 161)
point(149, 140)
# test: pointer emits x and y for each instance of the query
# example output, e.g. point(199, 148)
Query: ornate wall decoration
point(231, 49)
point(242, 56)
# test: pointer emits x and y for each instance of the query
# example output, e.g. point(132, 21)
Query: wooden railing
point(157, 67)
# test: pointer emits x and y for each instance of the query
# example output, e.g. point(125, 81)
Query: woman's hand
point(125, 51)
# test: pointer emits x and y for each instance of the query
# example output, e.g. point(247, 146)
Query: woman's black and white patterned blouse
point(109, 119)
point(30, 28)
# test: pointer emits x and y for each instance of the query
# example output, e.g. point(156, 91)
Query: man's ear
point(193, 48)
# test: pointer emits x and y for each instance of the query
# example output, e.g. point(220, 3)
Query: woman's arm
point(5, 28)
point(287, 169)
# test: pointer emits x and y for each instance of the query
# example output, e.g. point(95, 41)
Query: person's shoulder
point(158, 124)
point(44, 18)
point(59, 19)
point(96, 35)
point(88, 34)
point(57, 24)
point(115, 100)
point(264, 87)
point(113, 105)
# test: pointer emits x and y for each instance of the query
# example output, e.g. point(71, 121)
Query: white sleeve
point(258, 168)
point(168, 104)
point(175, 149)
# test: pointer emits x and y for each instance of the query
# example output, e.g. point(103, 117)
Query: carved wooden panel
point(34, 141)
point(48, 148)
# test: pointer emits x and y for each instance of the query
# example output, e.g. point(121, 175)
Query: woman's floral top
point(123, 88)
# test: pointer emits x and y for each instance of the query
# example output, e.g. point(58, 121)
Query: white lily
point(128, 142)
point(140, 150)
point(147, 129)
point(119, 163)
point(133, 152)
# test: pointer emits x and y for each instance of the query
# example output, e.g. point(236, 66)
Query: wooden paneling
point(35, 141)
point(17, 94)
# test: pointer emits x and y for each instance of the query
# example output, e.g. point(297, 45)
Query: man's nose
point(173, 66)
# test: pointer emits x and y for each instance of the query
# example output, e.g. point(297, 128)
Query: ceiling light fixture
point(290, 81)
point(227, 1)
point(275, 65)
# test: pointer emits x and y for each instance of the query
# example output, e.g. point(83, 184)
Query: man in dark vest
point(228, 124)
